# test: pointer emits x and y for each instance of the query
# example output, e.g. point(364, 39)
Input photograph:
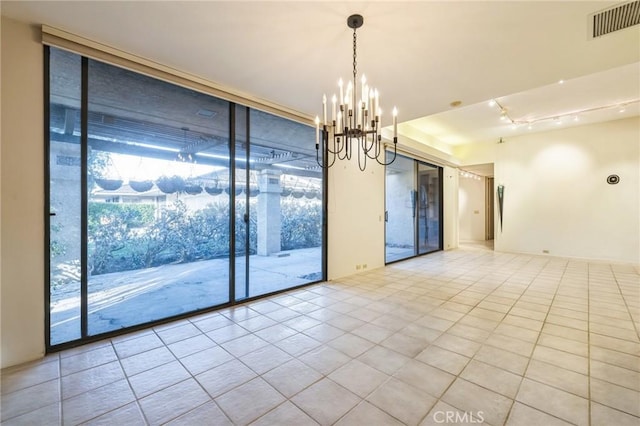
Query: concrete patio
point(123, 299)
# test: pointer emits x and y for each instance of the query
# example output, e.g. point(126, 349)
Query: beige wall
point(450, 208)
point(556, 195)
point(22, 201)
point(356, 218)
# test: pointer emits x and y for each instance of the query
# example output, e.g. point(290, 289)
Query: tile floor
point(465, 336)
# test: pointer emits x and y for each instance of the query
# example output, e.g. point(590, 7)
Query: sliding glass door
point(154, 246)
point(429, 202)
point(400, 215)
point(285, 205)
point(165, 201)
point(413, 194)
point(65, 186)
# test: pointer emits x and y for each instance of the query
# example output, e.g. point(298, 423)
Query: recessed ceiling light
point(492, 103)
point(561, 82)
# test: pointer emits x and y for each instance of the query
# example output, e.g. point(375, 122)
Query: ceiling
point(421, 56)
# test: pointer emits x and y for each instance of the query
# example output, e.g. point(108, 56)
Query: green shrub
point(301, 224)
point(133, 236)
point(110, 230)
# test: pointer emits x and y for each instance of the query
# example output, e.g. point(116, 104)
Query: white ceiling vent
point(615, 18)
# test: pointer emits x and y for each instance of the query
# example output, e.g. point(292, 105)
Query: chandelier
point(353, 119)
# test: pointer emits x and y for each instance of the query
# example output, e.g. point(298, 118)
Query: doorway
point(476, 206)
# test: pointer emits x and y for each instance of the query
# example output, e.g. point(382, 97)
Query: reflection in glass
point(158, 230)
point(400, 213)
point(64, 196)
point(286, 210)
point(428, 208)
point(413, 208)
point(158, 205)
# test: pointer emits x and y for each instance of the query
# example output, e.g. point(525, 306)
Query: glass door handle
point(52, 214)
point(386, 215)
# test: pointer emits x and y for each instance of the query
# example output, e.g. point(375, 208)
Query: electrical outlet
point(364, 266)
point(358, 267)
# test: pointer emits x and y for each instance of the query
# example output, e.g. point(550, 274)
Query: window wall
point(166, 201)
point(413, 197)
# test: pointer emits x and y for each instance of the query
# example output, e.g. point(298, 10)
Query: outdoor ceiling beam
point(149, 152)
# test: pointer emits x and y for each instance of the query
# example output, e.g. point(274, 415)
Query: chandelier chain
point(355, 63)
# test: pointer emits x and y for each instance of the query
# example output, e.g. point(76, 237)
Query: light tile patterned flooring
point(464, 336)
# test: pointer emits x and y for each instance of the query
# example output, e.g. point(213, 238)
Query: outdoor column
point(269, 212)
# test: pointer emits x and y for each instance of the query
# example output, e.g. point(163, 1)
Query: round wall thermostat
point(613, 179)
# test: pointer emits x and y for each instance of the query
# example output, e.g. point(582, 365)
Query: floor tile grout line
point(625, 302)
point(176, 358)
point(473, 357)
point(551, 302)
point(257, 374)
point(193, 377)
point(388, 378)
point(137, 400)
point(110, 344)
point(443, 280)
point(530, 357)
point(61, 406)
